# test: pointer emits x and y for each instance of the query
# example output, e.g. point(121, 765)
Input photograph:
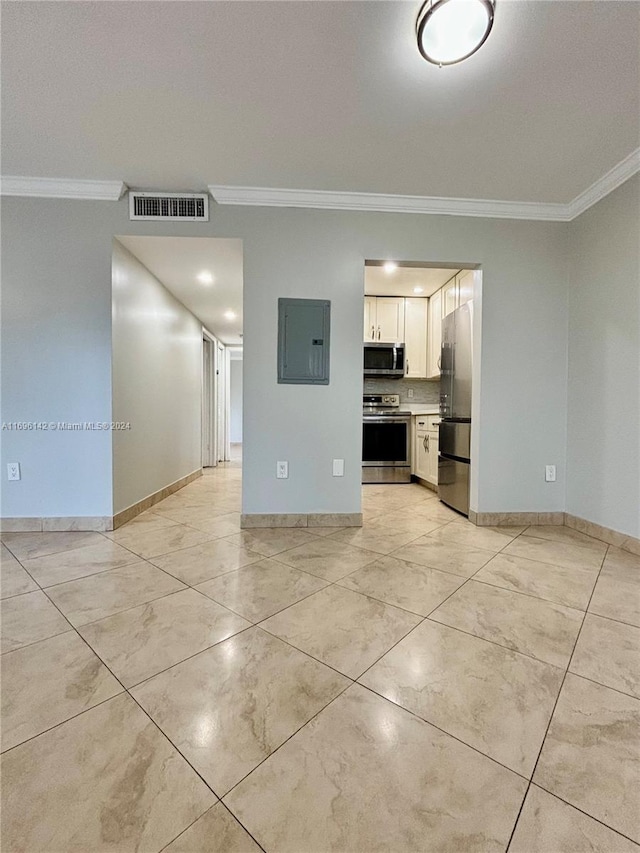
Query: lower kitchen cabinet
point(425, 455)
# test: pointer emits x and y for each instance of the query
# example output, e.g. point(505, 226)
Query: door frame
point(209, 384)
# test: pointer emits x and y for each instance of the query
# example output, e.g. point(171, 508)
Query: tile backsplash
point(424, 391)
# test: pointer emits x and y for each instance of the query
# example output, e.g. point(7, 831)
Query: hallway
point(182, 685)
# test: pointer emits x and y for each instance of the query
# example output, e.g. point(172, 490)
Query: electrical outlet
point(410, 393)
point(282, 470)
point(338, 467)
point(13, 471)
point(550, 473)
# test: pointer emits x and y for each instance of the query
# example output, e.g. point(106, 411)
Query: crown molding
point(624, 170)
point(62, 188)
point(381, 203)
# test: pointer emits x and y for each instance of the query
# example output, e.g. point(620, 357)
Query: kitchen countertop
point(420, 408)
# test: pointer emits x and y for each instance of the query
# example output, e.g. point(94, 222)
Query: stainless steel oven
point(384, 360)
point(386, 440)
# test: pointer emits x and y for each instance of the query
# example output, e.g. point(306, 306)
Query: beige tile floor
point(418, 684)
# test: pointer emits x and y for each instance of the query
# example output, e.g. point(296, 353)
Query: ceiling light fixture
point(230, 315)
point(205, 277)
point(389, 267)
point(418, 289)
point(449, 31)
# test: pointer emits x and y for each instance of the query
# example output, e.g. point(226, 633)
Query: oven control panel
point(380, 401)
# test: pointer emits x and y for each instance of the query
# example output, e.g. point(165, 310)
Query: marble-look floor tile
point(569, 586)
point(324, 531)
point(140, 642)
point(344, 629)
point(261, 589)
point(548, 825)
point(617, 593)
point(365, 775)
point(98, 596)
point(541, 629)
point(106, 781)
point(195, 514)
point(269, 541)
point(28, 618)
point(590, 754)
point(560, 533)
point(609, 652)
point(48, 682)
point(78, 563)
point(406, 522)
point(27, 546)
point(485, 538)
point(223, 525)
point(448, 557)
point(570, 555)
point(217, 831)
point(382, 540)
point(406, 585)
point(164, 540)
point(231, 706)
point(492, 698)
point(327, 559)
point(13, 578)
point(148, 520)
point(203, 562)
point(621, 564)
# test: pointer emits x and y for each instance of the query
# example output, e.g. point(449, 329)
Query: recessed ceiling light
point(205, 277)
point(390, 266)
point(449, 31)
point(418, 289)
point(230, 315)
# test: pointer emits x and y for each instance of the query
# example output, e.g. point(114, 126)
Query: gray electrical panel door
point(303, 341)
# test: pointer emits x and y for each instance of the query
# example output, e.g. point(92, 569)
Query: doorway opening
point(421, 332)
point(176, 320)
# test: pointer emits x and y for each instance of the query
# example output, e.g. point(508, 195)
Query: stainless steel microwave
point(382, 359)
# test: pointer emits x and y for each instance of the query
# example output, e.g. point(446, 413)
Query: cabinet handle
point(378, 332)
point(425, 442)
point(373, 333)
point(407, 366)
point(420, 423)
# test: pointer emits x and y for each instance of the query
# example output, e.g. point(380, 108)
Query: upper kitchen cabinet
point(384, 319)
point(465, 280)
point(450, 296)
point(415, 337)
point(434, 336)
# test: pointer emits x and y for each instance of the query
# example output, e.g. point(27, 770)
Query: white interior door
point(208, 394)
point(222, 452)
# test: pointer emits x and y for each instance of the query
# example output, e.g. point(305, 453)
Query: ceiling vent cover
point(192, 207)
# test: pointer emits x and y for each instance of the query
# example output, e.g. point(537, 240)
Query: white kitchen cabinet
point(369, 318)
point(450, 299)
point(425, 448)
point(384, 319)
point(433, 458)
point(390, 319)
point(434, 335)
point(465, 279)
point(415, 337)
point(422, 453)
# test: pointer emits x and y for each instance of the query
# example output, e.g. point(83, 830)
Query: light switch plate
point(282, 470)
point(550, 473)
point(338, 467)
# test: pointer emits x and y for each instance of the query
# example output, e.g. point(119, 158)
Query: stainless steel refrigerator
point(454, 457)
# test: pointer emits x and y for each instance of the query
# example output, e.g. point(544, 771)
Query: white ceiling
point(403, 280)
point(177, 262)
point(319, 95)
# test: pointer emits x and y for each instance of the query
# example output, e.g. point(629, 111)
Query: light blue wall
point(603, 440)
point(57, 356)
